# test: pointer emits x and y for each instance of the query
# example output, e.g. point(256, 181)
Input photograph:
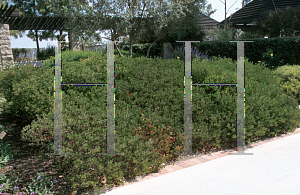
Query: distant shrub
point(179, 53)
point(44, 54)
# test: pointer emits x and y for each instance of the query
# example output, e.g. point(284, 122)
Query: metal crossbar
point(240, 99)
point(187, 107)
point(110, 148)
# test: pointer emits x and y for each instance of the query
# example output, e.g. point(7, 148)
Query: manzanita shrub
point(14, 105)
point(267, 109)
point(149, 112)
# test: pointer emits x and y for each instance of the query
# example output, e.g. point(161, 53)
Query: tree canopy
point(131, 14)
point(284, 21)
point(121, 17)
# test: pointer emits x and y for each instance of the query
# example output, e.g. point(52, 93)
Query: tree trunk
point(132, 37)
point(62, 38)
point(37, 38)
point(70, 42)
point(118, 49)
point(130, 48)
point(114, 37)
point(131, 40)
point(37, 43)
point(133, 33)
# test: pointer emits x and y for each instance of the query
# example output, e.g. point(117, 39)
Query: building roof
point(254, 10)
point(208, 23)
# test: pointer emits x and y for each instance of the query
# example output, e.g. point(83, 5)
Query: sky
point(231, 6)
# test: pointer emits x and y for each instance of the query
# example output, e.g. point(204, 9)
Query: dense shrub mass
point(149, 111)
point(290, 80)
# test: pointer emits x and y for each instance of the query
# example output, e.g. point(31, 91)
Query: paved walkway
point(272, 169)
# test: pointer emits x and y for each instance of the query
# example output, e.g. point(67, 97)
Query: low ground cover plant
point(40, 185)
point(149, 120)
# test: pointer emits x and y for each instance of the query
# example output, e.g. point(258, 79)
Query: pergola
point(10, 19)
point(244, 18)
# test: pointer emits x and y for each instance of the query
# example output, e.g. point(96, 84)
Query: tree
point(66, 9)
point(225, 9)
point(290, 20)
point(245, 2)
point(79, 22)
point(132, 14)
point(184, 28)
point(282, 21)
point(15, 33)
point(224, 32)
point(207, 10)
point(29, 8)
point(189, 27)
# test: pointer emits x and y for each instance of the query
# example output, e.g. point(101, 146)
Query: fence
point(97, 48)
point(188, 100)
point(110, 101)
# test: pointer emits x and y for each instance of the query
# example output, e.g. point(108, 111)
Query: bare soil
point(27, 162)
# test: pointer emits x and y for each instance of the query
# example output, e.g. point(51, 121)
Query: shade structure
point(244, 18)
point(11, 16)
point(10, 19)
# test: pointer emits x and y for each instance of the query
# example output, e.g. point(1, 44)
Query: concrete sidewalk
point(274, 168)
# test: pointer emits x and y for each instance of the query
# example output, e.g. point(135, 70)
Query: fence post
point(167, 47)
point(58, 103)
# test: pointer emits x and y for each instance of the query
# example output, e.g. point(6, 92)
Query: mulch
point(26, 162)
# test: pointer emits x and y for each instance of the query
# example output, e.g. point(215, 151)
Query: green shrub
point(149, 114)
point(290, 80)
point(2, 101)
point(9, 79)
point(267, 111)
point(44, 54)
